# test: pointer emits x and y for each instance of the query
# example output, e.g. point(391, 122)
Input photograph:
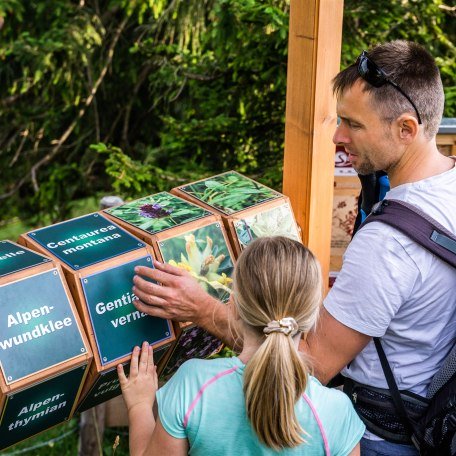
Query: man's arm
point(332, 345)
point(181, 298)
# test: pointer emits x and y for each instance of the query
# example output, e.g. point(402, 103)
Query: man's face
point(366, 137)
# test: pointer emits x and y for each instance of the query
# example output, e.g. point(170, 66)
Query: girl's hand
point(142, 383)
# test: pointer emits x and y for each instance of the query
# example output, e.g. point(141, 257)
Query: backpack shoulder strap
point(418, 226)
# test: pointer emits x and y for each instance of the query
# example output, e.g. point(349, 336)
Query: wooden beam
point(314, 48)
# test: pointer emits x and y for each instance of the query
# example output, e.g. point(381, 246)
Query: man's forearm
point(215, 319)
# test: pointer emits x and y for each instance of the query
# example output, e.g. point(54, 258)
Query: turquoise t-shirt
point(204, 402)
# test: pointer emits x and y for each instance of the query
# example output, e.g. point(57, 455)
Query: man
point(390, 104)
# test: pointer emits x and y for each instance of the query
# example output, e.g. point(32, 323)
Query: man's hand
point(179, 297)
point(140, 386)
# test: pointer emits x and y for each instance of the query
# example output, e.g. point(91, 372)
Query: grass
point(11, 229)
point(62, 440)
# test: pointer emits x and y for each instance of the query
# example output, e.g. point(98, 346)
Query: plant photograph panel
point(204, 254)
point(157, 212)
point(278, 221)
point(230, 192)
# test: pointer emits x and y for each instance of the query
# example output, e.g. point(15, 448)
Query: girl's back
point(204, 402)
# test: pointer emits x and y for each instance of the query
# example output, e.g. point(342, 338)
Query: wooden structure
point(314, 49)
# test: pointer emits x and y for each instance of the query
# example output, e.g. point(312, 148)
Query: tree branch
point(58, 143)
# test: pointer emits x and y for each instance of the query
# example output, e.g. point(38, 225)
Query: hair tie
point(287, 326)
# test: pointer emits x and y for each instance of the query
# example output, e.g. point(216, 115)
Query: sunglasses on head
point(375, 76)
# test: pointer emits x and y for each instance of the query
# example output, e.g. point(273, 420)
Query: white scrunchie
point(287, 326)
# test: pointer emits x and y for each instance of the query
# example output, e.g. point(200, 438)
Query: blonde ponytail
point(276, 278)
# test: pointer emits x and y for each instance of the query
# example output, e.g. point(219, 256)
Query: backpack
point(434, 432)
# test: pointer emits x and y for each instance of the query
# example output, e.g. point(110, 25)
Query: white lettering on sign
point(11, 254)
point(34, 406)
point(124, 300)
point(25, 317)
point(106, 387)
point(38, 331)
point(81, 237)
point(136, 315)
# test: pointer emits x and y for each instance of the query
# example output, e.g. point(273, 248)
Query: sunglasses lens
point(370, 72)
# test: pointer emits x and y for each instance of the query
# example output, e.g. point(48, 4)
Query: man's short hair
point(414, 70)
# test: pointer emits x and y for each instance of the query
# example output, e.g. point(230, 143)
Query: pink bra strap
point(201, 391)
point(320, 425)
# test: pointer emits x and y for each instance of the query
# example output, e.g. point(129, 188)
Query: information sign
point(39, 407)
point(14, 258)
point(84, 241)
point(105, 388)
point(117, 325)
point(35, 318)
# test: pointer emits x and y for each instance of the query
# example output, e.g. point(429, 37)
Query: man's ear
point(407, 128)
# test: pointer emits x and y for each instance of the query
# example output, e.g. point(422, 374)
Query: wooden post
point(314, 48)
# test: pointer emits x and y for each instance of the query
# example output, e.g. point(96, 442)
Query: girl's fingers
point(150, 365)
point(134, 362)
point(122, 377)
point(144, 359)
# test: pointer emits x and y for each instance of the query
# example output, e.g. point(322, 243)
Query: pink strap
point(320, 425)
point(201, 391)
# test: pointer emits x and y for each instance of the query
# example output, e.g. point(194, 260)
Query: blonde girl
point(262, 402)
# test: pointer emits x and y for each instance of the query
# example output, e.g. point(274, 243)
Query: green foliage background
point(134, 97)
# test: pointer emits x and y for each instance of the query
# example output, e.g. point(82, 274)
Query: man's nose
point(340, 136)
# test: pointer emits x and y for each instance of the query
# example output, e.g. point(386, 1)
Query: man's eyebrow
point(350, 120)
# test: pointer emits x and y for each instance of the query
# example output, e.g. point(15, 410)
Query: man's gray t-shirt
point(392, 288)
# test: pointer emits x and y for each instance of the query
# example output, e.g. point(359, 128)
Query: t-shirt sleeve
point(172, 400)
point(377, 277)
point(345, 432)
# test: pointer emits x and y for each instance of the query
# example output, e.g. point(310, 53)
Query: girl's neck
point(252, 342)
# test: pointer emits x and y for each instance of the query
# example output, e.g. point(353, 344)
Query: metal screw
point(83, 350)
point(104, 358)
point(166, 333)
point(10, 378)
point(86, 281)
point(217, 225)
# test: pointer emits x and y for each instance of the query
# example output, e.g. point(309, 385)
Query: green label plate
point(86, 240)
point(117, 325)
point(106, 387)
point(15, 258)
point(230, 192)
point(157, 213)
point(39, 407)
point(35, 319)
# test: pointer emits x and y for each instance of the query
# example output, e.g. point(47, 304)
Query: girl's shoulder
point(322, 395)
point(202, 370)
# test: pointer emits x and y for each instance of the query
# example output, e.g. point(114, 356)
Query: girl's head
point(276, 278)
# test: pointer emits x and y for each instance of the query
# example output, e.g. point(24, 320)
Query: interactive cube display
point(98, 258)
point(44, 352)
point(189, 237)
point(249, 209)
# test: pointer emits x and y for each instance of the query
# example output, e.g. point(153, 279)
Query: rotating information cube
point(187, 236)
point(249, 209)
point(44, 353)
point(98, 258)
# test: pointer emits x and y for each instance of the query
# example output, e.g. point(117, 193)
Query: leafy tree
point(140, 96)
